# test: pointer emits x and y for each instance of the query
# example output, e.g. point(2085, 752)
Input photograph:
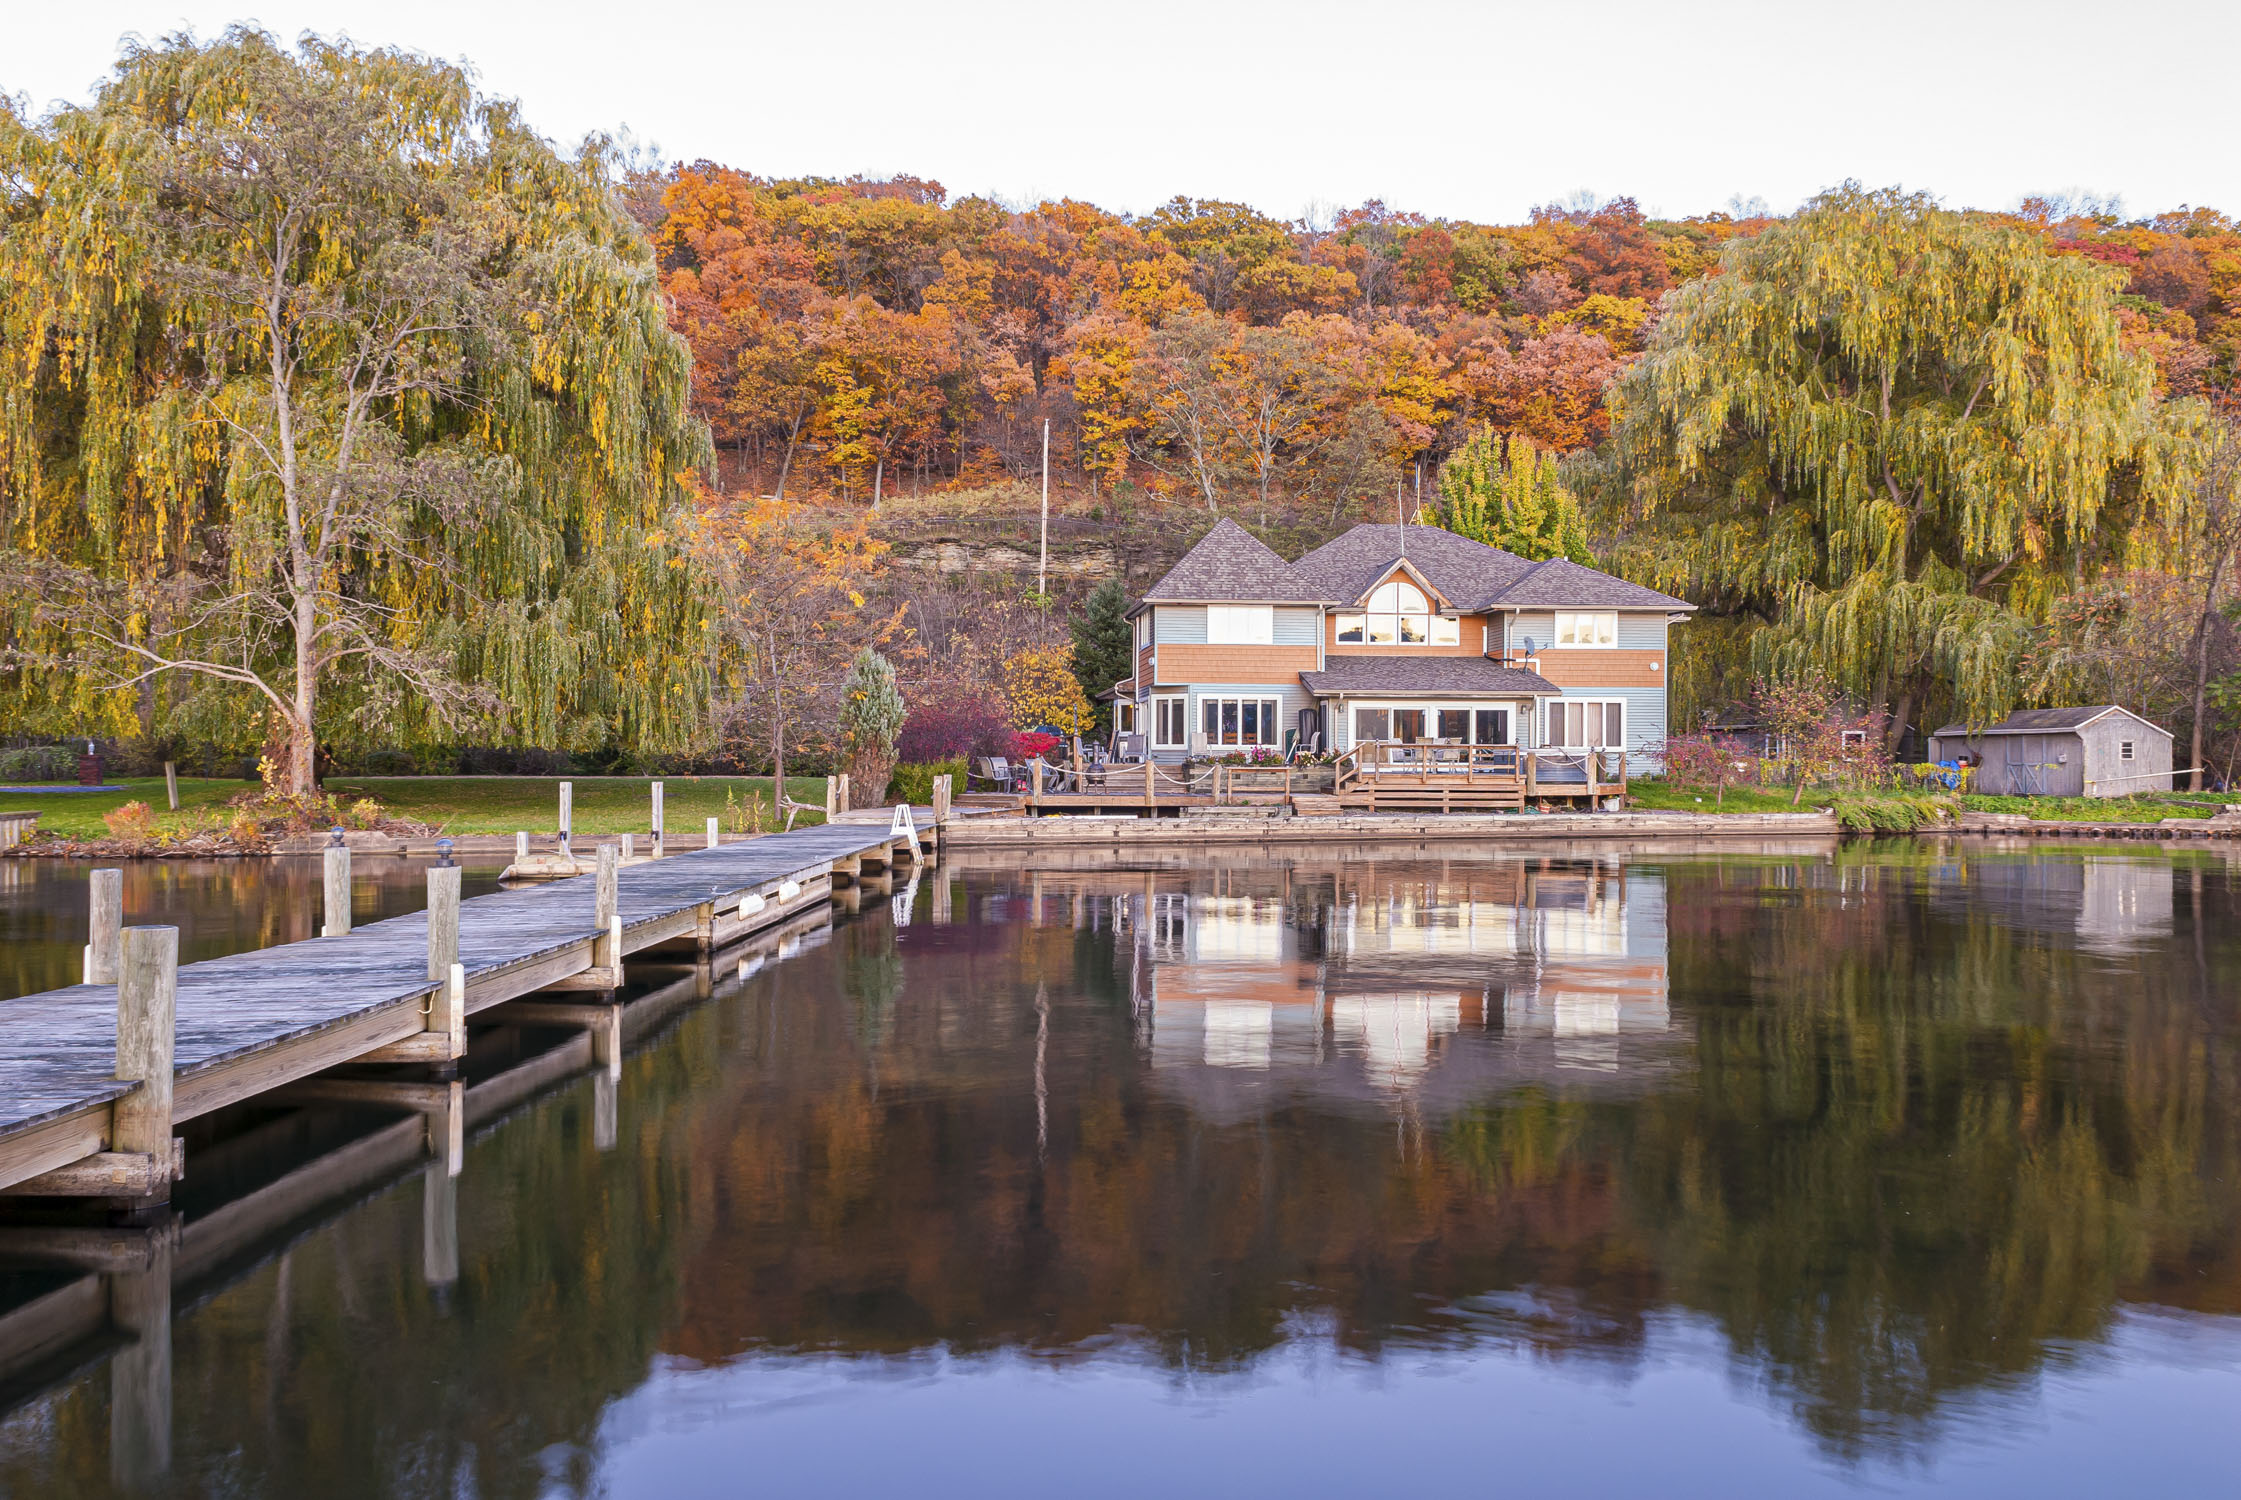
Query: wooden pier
point(254, 1023)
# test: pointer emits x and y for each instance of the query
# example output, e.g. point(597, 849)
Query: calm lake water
point(1900, 1169)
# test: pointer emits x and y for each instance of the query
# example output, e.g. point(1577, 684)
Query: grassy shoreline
point(1900, 812)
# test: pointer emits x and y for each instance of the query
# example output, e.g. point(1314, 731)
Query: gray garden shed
point(2097, 751)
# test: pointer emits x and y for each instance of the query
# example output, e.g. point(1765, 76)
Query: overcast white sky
point(1449, 108)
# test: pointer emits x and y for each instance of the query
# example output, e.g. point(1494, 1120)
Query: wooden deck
point(253, 1022)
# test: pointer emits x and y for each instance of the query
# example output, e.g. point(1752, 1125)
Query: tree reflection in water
point(1899, 1125)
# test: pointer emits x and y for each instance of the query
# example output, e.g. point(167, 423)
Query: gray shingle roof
point(1472, 575)
point(2050, 720)
point(1563, 584)
point(1410, 675)
point(1231, 564)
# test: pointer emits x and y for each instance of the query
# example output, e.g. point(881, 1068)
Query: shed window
point(2124, 749)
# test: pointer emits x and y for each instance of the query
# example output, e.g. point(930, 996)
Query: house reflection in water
point(1415, 983)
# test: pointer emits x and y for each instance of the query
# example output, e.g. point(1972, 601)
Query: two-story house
point(1396, 634)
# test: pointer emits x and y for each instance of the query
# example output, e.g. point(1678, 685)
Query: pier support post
point(714, 833)
point(443, 920)
point(941, 800)
point(140, 1373)
point(171, 784)
point(657, 821)
point(443, 1034)
point(832, 797)
point(147, 1007)
point(629, 847)
point(567, 813)
point(337, 891)
point(843, 794)
point(521, 847)
point(105, 912)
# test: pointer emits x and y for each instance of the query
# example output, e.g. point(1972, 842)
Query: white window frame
point(2125, 749)
point(1177, 706)
point(1520, 715)
point(1394, 606)
point(1124, 716)
point(1268, 716)
point(1572, 624)
point(1559, 709)
point(1240, 625)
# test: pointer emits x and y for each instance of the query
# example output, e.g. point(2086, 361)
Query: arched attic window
point(1398, 614)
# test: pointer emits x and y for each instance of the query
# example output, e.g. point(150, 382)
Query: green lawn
point(78, 814)
point(459, 804)
point(2146, 808)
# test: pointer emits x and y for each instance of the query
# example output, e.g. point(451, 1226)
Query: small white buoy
point(788, 890)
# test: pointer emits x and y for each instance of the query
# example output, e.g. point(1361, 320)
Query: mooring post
point(629, 847)
point(147, 1007)
point(606, 949)
point(712, 833)
point(844, 798)
point(105, 901)
point(171, 785)
point(521, 847)
point(832, 797)
point(337, 855)
point(657, 820)
point(941, 800)
point(567, 813)
point(443, 920)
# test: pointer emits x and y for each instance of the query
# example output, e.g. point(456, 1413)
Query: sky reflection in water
point(1775, 1174)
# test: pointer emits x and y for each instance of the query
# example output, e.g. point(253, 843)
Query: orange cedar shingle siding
point(1603, 668)
point(1180, 665)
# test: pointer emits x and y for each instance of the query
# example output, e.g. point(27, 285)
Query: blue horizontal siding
point(1297, 627)
point(1182, 624)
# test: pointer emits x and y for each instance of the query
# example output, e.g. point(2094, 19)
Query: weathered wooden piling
point(713, 837)
point(567, 813)
point(629, 846)
point(171, 785)
point(105, 903)
point(337, 891)
point(942, 792)
point(832, 796)
point(443, 1033)
point(657, 821)
point(521, 847)
point(147, 1000)
point(443, 920)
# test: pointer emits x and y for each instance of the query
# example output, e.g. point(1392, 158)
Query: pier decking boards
point(250, 1022)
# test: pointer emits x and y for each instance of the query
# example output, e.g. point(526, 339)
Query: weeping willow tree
point(1506, 493)
point(1888, 436)
point(328, 389)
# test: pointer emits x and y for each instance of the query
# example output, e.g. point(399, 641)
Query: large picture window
point(1239, 721)
point(1170, 723)
point(1240, 624)
point(1586, 724)
point(1398, 615)
point(1587, 627)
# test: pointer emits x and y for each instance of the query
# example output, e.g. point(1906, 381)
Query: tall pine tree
point(1104, 645)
